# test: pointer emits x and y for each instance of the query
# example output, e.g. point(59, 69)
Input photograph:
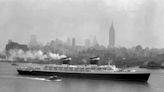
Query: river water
point(10, 81)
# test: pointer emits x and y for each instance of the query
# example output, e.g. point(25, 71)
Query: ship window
point(87, 68)
point(93, 68)
point(81, 69)
point(98, 68)
point(109, 68)
point(65, 68)
point(46, 68)
point(76, 69)
point(70, 68)
point(55, 68)
point(37, 68)
point(50, 67)
point(104, 68)
point(60, 68)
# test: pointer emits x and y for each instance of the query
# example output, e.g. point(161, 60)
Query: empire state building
point(111, 37)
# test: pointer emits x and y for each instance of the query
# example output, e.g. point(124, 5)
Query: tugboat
point(14, 64)
point(92, 71)
point(53, 77)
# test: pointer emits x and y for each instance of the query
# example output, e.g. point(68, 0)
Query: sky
point(136, 22)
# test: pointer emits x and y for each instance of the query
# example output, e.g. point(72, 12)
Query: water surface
point(10, 81)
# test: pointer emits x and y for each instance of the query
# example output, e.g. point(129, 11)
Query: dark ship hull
point(126, 76)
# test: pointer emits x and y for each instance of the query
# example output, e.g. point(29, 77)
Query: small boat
point(14, 64)
point(53, 77)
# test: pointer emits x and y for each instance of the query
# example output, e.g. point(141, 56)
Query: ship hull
point(143, 77)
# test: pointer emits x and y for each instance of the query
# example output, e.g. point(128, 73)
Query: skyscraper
point(87, 43)
point(95, 41)
point(111, 37)
point(33, 44)
point(68, 41)
point(73, 41)
point(33, 41)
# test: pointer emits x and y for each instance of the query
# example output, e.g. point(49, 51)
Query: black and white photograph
point(81, 45)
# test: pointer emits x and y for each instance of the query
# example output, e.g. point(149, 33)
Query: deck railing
point(77, 68)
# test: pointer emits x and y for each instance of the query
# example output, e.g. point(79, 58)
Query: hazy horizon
point(136, 22)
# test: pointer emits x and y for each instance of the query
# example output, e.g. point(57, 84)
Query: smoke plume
point(18, 53)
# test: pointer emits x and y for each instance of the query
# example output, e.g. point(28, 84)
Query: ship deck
point(80, 71)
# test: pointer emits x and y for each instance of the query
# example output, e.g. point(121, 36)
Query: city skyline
point(136, 22)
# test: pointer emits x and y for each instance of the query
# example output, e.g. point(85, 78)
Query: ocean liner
point(92, 71)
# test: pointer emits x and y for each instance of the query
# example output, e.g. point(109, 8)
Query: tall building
point(33, 44)
point(33, 40)
point(73, 41)
point(95, 41)
point(87, 43)
point(111, 37)
point(68, 41)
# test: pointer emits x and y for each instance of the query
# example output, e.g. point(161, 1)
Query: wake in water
point(27, 77)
